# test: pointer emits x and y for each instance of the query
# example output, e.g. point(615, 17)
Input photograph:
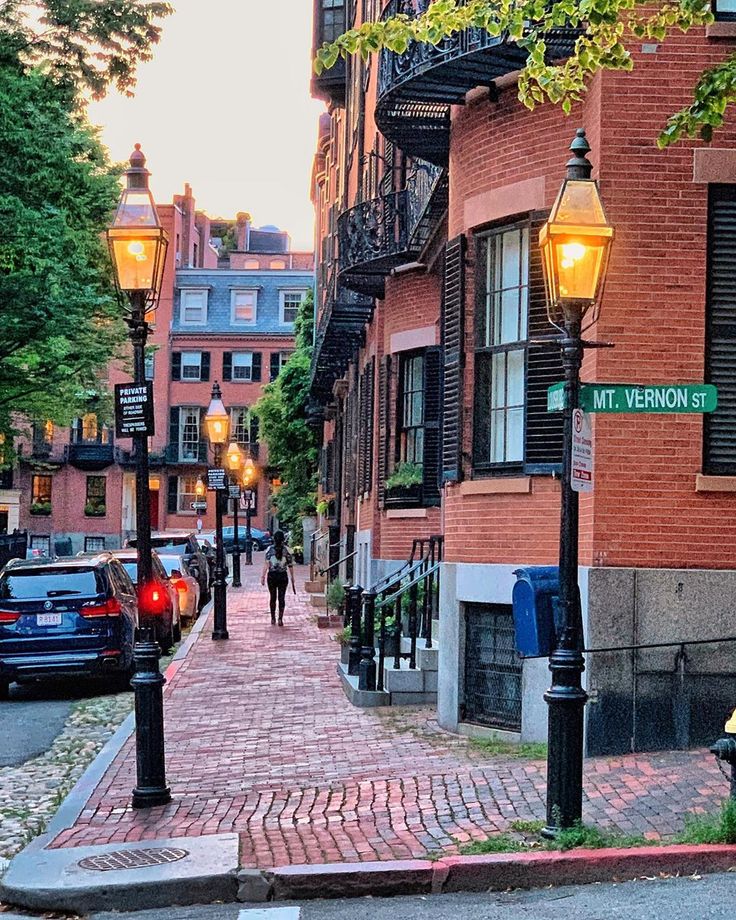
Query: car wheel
point(166, 639)
point(124, 677)
point(4, 689)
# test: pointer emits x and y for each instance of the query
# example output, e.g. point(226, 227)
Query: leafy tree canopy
point(607, 29)
point(60, 321)
point(292, 443)
point(82, 44)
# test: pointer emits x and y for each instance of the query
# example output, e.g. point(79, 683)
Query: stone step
point(428, 658)
point(408, 680)
point(315, 587)
point(318, 600)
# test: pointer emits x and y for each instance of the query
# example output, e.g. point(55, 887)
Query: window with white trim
point(189, 432)
point(242, 365)
point(194, 307)
point(240, 425)
point(186, 493)
point(724, 9)
point(243, 307)
point(290, 303)
point(191, 365)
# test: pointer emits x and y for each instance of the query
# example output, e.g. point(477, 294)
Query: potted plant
point(336, 596)
point(41, 508)
point(392, 636)
point(93, 510)
point(405, 483)
point(297, 552)
point(343, 637)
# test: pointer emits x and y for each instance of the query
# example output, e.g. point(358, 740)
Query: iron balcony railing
point(90, 455)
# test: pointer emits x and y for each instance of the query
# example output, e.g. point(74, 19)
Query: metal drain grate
point(132, 859)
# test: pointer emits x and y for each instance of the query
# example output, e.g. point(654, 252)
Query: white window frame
point(249, 366)
point(234, 413)
point(282, 303)
point(188, 355)
point(183, 411)
point(234, 321)
point(185, 293)
point(184, 499)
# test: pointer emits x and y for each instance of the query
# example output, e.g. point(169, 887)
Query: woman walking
point(277, 567)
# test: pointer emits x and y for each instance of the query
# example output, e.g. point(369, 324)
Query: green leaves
point(611, 26)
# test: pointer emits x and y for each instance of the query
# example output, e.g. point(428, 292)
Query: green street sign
point(634, 397)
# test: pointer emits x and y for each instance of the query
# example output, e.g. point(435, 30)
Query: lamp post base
point(150, 797)
point(220, 634)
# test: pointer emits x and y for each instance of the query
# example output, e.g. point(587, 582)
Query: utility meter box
point(535, 600)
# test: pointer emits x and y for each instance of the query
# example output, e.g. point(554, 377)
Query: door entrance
point(4, 521)
point(153, 504)
point(492, 667)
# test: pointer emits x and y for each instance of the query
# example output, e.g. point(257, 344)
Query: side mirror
point(175, 573)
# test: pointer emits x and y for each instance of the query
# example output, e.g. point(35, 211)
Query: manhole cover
point(132, 859)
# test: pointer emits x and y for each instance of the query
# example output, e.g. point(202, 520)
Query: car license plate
point(48, 619)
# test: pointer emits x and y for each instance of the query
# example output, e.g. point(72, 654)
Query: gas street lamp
point(250, 479)
point(575, 244)
point(218, 424)
point(138, 245)
point(235, 458)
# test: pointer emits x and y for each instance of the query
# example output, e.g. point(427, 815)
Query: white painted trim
point(193, 290)
point(398, 513)
point(410, 339)
point(244, 324)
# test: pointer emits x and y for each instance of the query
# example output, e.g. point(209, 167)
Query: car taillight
point(111, 608)
point(9, 616)
point(152, 598)
point(180, 585)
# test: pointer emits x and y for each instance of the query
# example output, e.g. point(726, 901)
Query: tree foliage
point(607, 29)
point(292, 443)
point(59, 319)
point(82, 44)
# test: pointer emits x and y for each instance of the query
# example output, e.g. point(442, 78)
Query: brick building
point(431, 182)
point(229, 319)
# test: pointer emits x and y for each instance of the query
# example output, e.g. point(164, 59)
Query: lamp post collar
point(579, 167)
point(137, 175)
point(216, 391)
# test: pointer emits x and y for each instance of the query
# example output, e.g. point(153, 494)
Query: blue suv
point(67, 618)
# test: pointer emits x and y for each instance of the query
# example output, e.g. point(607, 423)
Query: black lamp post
point(234, 462)
point(575, 245)
point(250, 477)
point(138, 245)
point(218, 423)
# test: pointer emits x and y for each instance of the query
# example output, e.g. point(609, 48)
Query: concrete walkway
point(262, 742)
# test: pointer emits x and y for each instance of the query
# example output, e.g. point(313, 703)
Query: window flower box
point(41, 509)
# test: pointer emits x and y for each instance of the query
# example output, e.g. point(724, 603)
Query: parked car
point(261, 538)
point(184, 583)
point(75, 617)
point(158, 602)
point(185, 544)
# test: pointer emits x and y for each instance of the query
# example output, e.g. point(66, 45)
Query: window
point(242, 365)
point(724, 9)
point(290, 303)
point(189, 432)
point(252, 264)
point(95, 504)
point(277, 264)
point(278, 360)
point(240, 425)
point(503, 309)
point(193, 307)
point(191, 365)
point(41, 542)
point(94, 544)
point(186, 493)
point(411, 413)
point(43, 437)
point(150, 365)
point(243, 308)
point(333, 19)
point(41, 495)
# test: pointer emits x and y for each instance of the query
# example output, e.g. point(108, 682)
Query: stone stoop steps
point(403, 686)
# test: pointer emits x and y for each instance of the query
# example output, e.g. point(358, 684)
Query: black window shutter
point(174, 425)
point(719, 449)
point(453, 333)
point(366, 426)
point(176, 365)
point(543, 435)
point(204, 370)
point(254, 428)
point(227, 365)
point(173, 499)
point(384, 426)
point(257, 361)
point(275, 365)
point(432, 425)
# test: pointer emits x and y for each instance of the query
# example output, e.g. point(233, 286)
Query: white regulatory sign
point(582, 452)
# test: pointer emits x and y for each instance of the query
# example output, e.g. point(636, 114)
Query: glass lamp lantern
point(136, 239)
point(234, 456)
point(249, 473)
point(200, 488)
point(217, 419)
point(575, 242)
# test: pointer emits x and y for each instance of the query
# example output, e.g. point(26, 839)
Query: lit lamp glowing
point(136, 239)
point(200, 488)
point(249, 473)
point(575, 242)
point(234, 456)
point(217, 419)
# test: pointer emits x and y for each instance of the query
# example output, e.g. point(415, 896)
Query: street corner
point(156, 873)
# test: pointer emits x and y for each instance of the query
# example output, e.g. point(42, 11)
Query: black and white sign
point(216, 479)
point(235, 492)
point(134, 409)
point(199, 506)
point(248, 500)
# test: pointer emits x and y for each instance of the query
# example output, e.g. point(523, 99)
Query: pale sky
point(225, 106)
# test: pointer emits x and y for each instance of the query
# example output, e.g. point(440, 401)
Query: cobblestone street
point(261, 740)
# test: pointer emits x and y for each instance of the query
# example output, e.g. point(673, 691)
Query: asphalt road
point(706, 898)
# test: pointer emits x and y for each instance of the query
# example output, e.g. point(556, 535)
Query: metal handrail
point(338, 563)
point(392, 598)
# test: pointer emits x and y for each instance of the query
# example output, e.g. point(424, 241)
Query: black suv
point(66, 618)
point(186, 545)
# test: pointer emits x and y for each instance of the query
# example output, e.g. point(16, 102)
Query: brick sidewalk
point(261, 740)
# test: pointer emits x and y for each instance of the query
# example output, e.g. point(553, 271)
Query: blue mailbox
point(535, 599)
